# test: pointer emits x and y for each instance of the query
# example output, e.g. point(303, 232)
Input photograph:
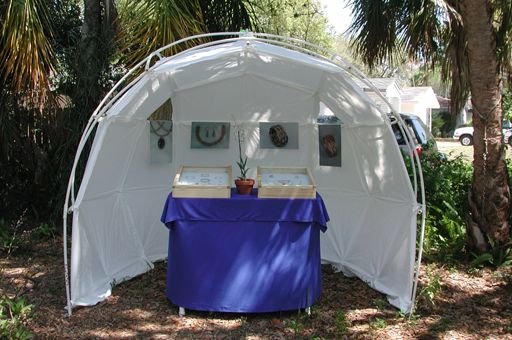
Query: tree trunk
point(98, 33)
point(490, 196)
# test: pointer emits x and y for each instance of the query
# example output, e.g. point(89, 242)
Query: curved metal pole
point(270, 38)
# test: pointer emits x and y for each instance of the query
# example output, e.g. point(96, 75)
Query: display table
point(244, 254)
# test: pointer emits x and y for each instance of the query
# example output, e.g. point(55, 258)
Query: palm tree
point(150, 24)
point(470, 39)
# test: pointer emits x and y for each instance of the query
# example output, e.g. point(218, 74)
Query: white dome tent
point(245, 78)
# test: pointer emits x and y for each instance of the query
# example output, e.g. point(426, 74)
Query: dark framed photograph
point(329, 143)
point(274, 135)
point(209, 135)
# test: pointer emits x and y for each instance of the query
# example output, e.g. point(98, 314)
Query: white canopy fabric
point(117, 232)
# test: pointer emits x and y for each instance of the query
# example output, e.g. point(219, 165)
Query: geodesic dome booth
point(249, 81)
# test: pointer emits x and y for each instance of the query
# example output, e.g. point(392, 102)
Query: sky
point(337, 14)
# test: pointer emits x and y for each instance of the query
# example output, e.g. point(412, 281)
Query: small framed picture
point(209, 135)
point(329, 143)
point(160, 141)
point(275, 135)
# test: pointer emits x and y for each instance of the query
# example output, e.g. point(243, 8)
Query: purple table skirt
point(244, 254)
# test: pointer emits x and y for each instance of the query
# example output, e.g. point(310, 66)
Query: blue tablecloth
point(244, 254)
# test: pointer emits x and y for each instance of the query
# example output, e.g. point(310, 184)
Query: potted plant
point(243, 184)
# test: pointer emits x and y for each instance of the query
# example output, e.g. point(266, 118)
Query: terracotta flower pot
point(244, 187)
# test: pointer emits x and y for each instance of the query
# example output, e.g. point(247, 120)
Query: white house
point(389, 87)
point(418, 100)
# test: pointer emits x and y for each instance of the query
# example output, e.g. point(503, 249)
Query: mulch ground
point(454, 303)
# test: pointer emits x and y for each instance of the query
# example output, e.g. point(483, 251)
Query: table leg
point(181, 311)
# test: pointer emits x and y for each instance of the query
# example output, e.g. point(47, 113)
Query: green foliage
point(10, 240)
point(44, 231)
point(26, 53)
point(296, 326)
point(442, 324)
point(17, 236)
point(432, 287)
point(498, 255)
point(342, 323)
point(506, 102)
point(442, 124)
point(242, 165)
point(380, 303)
point(378, 323)
point(447, 184)
point(148, 25)
point(242, 162)
point(14, 313)
point(294, 18)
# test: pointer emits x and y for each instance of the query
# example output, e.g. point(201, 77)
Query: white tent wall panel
point(343, 97)
point(276, 68)
point(118, 241)
point(357, 221)
point(192, 67)
point(141, 173)
point(122, 161)
point(122, 201)
point(88, 274)
point(245, 98)
point(380, 163)
point(364, 168)
point(109, 160)
point(146, 208)
point(147, 95)
point(112, 253)
point(346, 213)
point(283, 56)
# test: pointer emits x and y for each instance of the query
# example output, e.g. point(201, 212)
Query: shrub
point(447, 184)
point(13, 315)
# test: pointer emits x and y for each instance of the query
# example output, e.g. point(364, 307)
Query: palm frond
point(375, 28)
point(26, 54)
point(151, 24)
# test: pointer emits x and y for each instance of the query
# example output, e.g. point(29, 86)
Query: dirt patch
point(466, 306)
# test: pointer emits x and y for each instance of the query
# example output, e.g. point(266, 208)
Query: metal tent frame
point(291, 43)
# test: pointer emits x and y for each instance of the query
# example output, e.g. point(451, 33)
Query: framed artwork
point(275, 135)
point(209, 135)
point(160, 141)
point(329, 143)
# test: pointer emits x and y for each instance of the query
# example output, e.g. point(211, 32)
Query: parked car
point(465, 134)
point(420, 133)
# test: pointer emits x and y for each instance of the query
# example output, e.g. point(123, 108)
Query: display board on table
point(285, 182)
point(203, 181)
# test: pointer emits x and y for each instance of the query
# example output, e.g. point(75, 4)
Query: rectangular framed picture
point(209, 135)
point(160, 141)
point(329, 144)
point(274, 135)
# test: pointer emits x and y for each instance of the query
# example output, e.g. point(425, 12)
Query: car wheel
point(466, 140)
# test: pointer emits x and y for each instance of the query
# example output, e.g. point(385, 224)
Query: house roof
point(382, 84)
point(444, 103)
point(420, 93)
